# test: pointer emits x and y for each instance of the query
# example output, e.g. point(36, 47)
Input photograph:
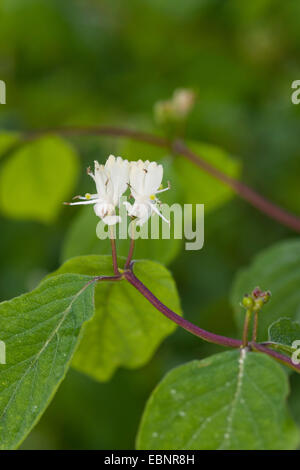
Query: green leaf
point(294, 401)
point(202, 188)
point(7, 140)
point(126, 329)
point(40, 330)
point(135, 150)
point(276, 269)
point(283, 333)
point(81, 239)
point(37, 178)
point(233, 400)
point(189, 183)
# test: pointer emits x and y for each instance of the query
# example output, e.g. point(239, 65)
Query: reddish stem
point(255, 327)
point(130, 253)
point(206, 335)
point(244, 191)
point(276, 355)
point(203, 334)
point(131, 249)
point(248, 194)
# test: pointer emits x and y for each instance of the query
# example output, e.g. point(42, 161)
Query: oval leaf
point(37, 178)
point(233, 400)
point(40, 331)
point(283, 333)
point(7, 141)
point(126, 329)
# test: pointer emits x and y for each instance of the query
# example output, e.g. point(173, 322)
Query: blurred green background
point(95, 62)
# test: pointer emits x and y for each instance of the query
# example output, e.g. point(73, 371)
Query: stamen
point(91, 201)
point(159, 213)
point(162, 190)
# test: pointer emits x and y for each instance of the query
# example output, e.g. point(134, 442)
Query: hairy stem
point(206, 335)
point(245, 192)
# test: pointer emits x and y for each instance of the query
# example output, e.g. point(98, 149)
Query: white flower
point(111, 182)
point(144, 181)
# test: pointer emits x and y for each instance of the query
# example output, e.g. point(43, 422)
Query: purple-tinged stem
point(130, 253)
point(206, 335)
point(255, 327)
point(262, 204)
point(276, 355)
point(244, 191)
point(131, 249)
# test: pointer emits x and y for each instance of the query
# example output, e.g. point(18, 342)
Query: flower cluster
point(256, 300)
point(112, 180)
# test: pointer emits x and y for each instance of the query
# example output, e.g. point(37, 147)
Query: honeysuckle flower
point(145, 183)
point(111, 182)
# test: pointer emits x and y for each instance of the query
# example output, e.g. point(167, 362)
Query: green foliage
point(283, 333)
point(294, 401)
point(65, 73)
point(189, 184)
point(233, 400)
point(200, 187)
point(37, 178)
point(7, 140)
point(40, 330)
point(126, 329)
point(278, 270)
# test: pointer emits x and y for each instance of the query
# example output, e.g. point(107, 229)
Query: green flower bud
point(248, 302)
point(258, 304)
point(266, 296)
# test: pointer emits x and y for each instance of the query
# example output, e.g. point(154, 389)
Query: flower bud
point(247, 302)
point(258, 304)
point(266, 296)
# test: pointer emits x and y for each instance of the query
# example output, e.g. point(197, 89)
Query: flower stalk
point(246, 327)
point(113, 249)
point(255, 327)
point(131, 248)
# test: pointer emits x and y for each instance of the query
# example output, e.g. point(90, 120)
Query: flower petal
point(153, 178)
point(111, 219)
